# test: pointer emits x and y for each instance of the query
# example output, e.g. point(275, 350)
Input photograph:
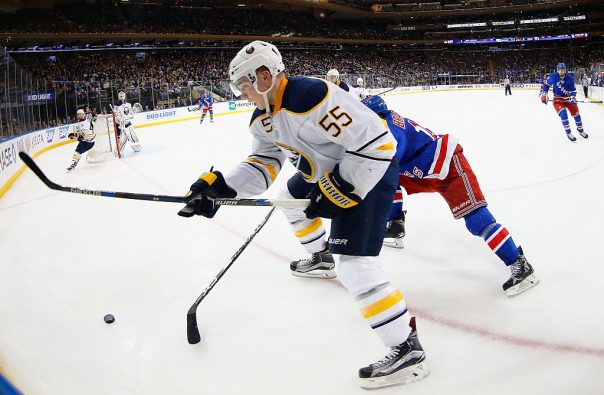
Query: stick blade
point(192, 330)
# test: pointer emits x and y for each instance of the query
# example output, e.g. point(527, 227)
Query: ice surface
point(67, 260)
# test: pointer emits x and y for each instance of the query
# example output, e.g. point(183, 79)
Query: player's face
point(247, 90)
point(81, 116)
point(562, 72)
point(332, 78)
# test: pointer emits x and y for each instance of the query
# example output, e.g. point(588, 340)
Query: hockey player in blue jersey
point(435, 163)
point(565, 98)
point(205, 104)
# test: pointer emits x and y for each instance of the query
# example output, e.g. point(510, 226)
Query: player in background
point(333, 76)
point(542, 83)
point(508, 87)
point(565, 98)
point(124, 116)
point(344, 155)
point(205, 104)
point(360, 87)
point(84, 133)
point(436, 163)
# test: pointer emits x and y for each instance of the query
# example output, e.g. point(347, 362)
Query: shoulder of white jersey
point(257, 112)
point(302, 94)
point(344, 86)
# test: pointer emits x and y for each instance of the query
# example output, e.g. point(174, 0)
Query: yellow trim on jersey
point(280, 95)
point(308, 229)
point(382, 305)
point(270, 168)
point(315, 107)
point(334, 194)
point(386, 147)
point(292, 149)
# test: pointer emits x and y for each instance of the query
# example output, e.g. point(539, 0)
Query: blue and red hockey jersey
point(420, 152)
point(563, 88)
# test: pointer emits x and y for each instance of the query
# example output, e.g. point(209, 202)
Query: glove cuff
point(337, 190)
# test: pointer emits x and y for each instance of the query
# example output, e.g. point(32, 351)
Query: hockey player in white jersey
point(360, 88)
point(84, 133)
point(333, 76)
point(343, 154)
point(124, 116)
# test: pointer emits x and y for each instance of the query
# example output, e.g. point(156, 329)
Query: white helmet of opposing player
point(333, 75)
point(80, 115)
point(121, 95)
point(359, 81)
point(249, 59)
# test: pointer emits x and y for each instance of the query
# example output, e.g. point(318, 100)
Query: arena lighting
point(479, 24)
point(574, 18)
point(517, 39)
point(543, 20)
point(502, 23)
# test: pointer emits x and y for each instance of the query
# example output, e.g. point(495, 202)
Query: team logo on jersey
point(300, 161)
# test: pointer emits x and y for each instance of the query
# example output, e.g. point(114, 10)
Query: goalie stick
point(287, 203)
point(192, 330)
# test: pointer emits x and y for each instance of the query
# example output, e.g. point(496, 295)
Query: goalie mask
point(249, 59)
point(121, 96)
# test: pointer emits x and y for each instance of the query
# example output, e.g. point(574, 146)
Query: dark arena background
point(67, 261)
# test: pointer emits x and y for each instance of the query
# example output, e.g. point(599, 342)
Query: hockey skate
point(71, 168)
point(319, 265)
point(404, 364)
point(522, 276)
point(571, 137)
point(395, 231)
point(583, 134)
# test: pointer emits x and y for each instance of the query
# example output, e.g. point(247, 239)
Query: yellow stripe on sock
point(382, 305)
point(308, 229)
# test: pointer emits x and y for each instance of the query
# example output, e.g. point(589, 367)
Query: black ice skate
point(571, 137)
point(404, 364)
point(319, 265)
point(583, 134)
point(522, 276)
point(395, 231)
point(72, 167)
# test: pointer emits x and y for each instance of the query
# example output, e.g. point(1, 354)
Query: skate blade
point(393, 243)
point(405, 376)
point(327, 274)
point(522, 286)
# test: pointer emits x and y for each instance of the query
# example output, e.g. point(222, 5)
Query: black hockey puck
point(109, 318)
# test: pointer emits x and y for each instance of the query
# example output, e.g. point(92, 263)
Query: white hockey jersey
point(85, 129)
point(123, 111)
point(315, 125)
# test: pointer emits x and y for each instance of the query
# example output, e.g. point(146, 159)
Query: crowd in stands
point(98, 17)
point(160, 78)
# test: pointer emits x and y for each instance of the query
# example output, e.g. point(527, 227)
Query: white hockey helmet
point(360, 81)
point(332, 73)
point(80, 114)
point(121, 95)
point(249, 59)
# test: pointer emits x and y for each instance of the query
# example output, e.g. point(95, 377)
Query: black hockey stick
point(192, 330)
point(289, 203)
point(391, 89)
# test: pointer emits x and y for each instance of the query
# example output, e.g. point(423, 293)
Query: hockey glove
point(544, 98)
point(72, 136)
point(573, 100)
point(200, 198)
point(331, 196)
